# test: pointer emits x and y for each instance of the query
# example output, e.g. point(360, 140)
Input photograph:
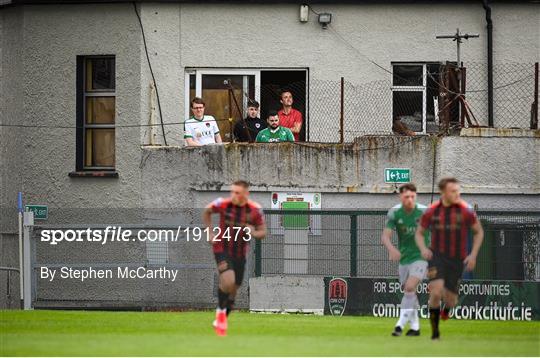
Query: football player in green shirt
point(403, 218)
point(274, 132)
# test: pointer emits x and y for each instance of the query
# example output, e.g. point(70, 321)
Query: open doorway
point(227, 92)
point(275, 81)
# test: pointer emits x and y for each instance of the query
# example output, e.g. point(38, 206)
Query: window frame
point(253, 71)
point(422, 88)
point(199, 72)
point(82, 126)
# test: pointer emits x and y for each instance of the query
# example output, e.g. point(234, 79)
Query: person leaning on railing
point(199, 129)
point(274, 133)
point(246, 130)
point(288, 116)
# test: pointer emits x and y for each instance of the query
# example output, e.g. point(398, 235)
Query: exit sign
point(397, 175)
point(41, 212)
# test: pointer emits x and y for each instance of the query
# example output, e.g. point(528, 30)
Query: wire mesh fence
point(416, 99)
point(348, 243)
point(514, 95)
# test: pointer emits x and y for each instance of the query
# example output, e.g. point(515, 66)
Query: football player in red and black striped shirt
point(240, 220)
point(449, 220)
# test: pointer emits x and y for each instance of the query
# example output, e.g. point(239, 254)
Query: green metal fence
point(347, 243)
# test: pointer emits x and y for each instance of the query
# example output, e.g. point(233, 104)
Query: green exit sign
point(397, 175)
point(41, 212)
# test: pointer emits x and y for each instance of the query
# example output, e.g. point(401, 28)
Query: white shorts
point(415, 269)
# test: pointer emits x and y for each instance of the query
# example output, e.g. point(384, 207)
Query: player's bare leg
point(436, 288)
point(226, 287)
point(450, 301)
point(410, 303)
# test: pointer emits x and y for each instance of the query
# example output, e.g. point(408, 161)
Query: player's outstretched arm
point(393, 252)
point(478, 238)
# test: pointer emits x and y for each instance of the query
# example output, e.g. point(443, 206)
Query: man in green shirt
point(274, 132)
point(403, 218)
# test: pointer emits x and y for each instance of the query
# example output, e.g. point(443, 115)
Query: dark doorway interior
point(273, 82)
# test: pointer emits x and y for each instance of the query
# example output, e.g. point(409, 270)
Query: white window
point(415, 95)
point(227, 91)
point(226, 94)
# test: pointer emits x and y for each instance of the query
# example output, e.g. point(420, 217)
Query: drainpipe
point(489, 23)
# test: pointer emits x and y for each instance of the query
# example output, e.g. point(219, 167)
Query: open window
point(416, 102)
point(227, 92)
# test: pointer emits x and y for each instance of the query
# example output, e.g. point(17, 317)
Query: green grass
point(76, 333)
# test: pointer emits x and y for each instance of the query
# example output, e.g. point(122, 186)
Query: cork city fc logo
point(337, 296)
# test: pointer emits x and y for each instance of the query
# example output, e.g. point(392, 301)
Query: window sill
point(94, 174)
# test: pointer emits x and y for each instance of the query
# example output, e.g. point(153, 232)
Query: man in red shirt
point(240, 220)
point(288, 116)
point(449, 220)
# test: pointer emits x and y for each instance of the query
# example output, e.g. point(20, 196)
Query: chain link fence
point(348, 243)
point(427, 102)
point(514, 94)
point(415, 98)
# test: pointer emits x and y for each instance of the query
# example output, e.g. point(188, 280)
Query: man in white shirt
point(199, 129)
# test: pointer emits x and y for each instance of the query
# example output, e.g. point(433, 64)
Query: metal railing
point(8, 271)
point(347, 243)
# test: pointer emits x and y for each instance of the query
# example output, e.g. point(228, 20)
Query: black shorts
point(445, 268)
point(235, 264)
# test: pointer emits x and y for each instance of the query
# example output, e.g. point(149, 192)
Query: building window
point(415, 96)
point(228, 90)
point(96, 113)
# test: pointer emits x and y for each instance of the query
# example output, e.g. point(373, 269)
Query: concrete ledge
point(500, 132)
point(286, 294)
point(486, 160)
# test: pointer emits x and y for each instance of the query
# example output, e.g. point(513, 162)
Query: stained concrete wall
point(486, 166)
point(286, 294)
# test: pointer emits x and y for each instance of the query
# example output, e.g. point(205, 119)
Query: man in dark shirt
point(246, 130)
point(449, 220)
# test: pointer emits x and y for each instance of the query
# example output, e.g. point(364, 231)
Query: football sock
point(230, 306)
point(434, 314)
point(407, 303)
point(223, 299)
point(414, 319)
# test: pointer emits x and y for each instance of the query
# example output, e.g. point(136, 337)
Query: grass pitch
point(77, 333)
